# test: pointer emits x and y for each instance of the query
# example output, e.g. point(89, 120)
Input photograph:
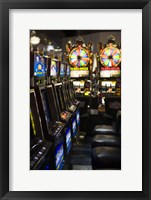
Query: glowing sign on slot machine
point(62, 70)
point(53, 68)
point(68, 70)
point(39, 66)
point(79, 57)
point(110, 57)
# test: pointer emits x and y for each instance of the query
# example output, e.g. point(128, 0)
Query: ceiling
point(56, 36)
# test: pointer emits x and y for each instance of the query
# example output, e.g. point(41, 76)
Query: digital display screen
point(108, 86)
point(68, 70)
point(79, 73)
point(106, 72)
point(74, 128)
point(46, 106)
point(60, 98)
point(68, 139)
point(53, 68)
point(78, 117)
point(78, 84)
point(62, 69)
point(59, 155)
point(39, 66)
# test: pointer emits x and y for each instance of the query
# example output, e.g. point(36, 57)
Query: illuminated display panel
point(107, 72)
point(74, 127)
point(68, 70)
point(79, 84)
point(32, 125)
point(62, 69)
point(68, 139)
point(39, 66)
point(59, 155)
point(79, 57)
point(105, 85)
point(110, 57)
point(79, 72)
point(32, 117)
point(78, 117)
point(53, 68)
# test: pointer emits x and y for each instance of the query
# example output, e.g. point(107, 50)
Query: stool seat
point(106, 158)
point(104, 129)
point(106, 140)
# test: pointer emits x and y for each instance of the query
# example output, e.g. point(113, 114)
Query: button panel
point(38, 156)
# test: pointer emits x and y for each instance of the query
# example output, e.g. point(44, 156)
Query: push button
point(35, 158)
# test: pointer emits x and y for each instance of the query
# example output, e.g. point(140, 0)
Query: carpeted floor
point(81, 154)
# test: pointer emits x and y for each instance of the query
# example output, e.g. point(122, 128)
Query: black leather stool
point(109, 129)
point(106, 140)
point(106, 158)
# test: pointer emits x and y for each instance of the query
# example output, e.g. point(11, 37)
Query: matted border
point(4, 102)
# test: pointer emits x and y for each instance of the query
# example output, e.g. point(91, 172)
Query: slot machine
point(52, 129)
point(110, 67)
point(41, 154)
point(58, 106)
point(63, 75)
point(73, 102)
point(79, 57)
point(66, 115)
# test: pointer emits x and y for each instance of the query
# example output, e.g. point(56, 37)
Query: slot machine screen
point(39, 66)
point(74, 128)
point(53, 68)
point(59, 155)
point(68, 70)
point(107, 72)
point(60, 98)
point(35, 128)
point(79, 72)
point(62, 69)
point(105, 85)
point(68, 139)
point(67, 93)
point(78, 117)
point(46, 106)
point(33, 132)
point(78, 84)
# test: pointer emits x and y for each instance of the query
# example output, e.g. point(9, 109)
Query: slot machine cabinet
point(70, 106)
point(38, 68)
point(58, 104)
point(110, 67)
point(41, 157)
point(64, 114)
point(52, 129)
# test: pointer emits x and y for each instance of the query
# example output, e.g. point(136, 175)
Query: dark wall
point(94, 38)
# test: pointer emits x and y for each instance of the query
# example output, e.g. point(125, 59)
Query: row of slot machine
point(54, 113)
point(88, 68)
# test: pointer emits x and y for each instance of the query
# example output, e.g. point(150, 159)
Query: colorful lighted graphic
point(53, 69)
point(39, 66)
point(110, 57)
point(79, 57)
